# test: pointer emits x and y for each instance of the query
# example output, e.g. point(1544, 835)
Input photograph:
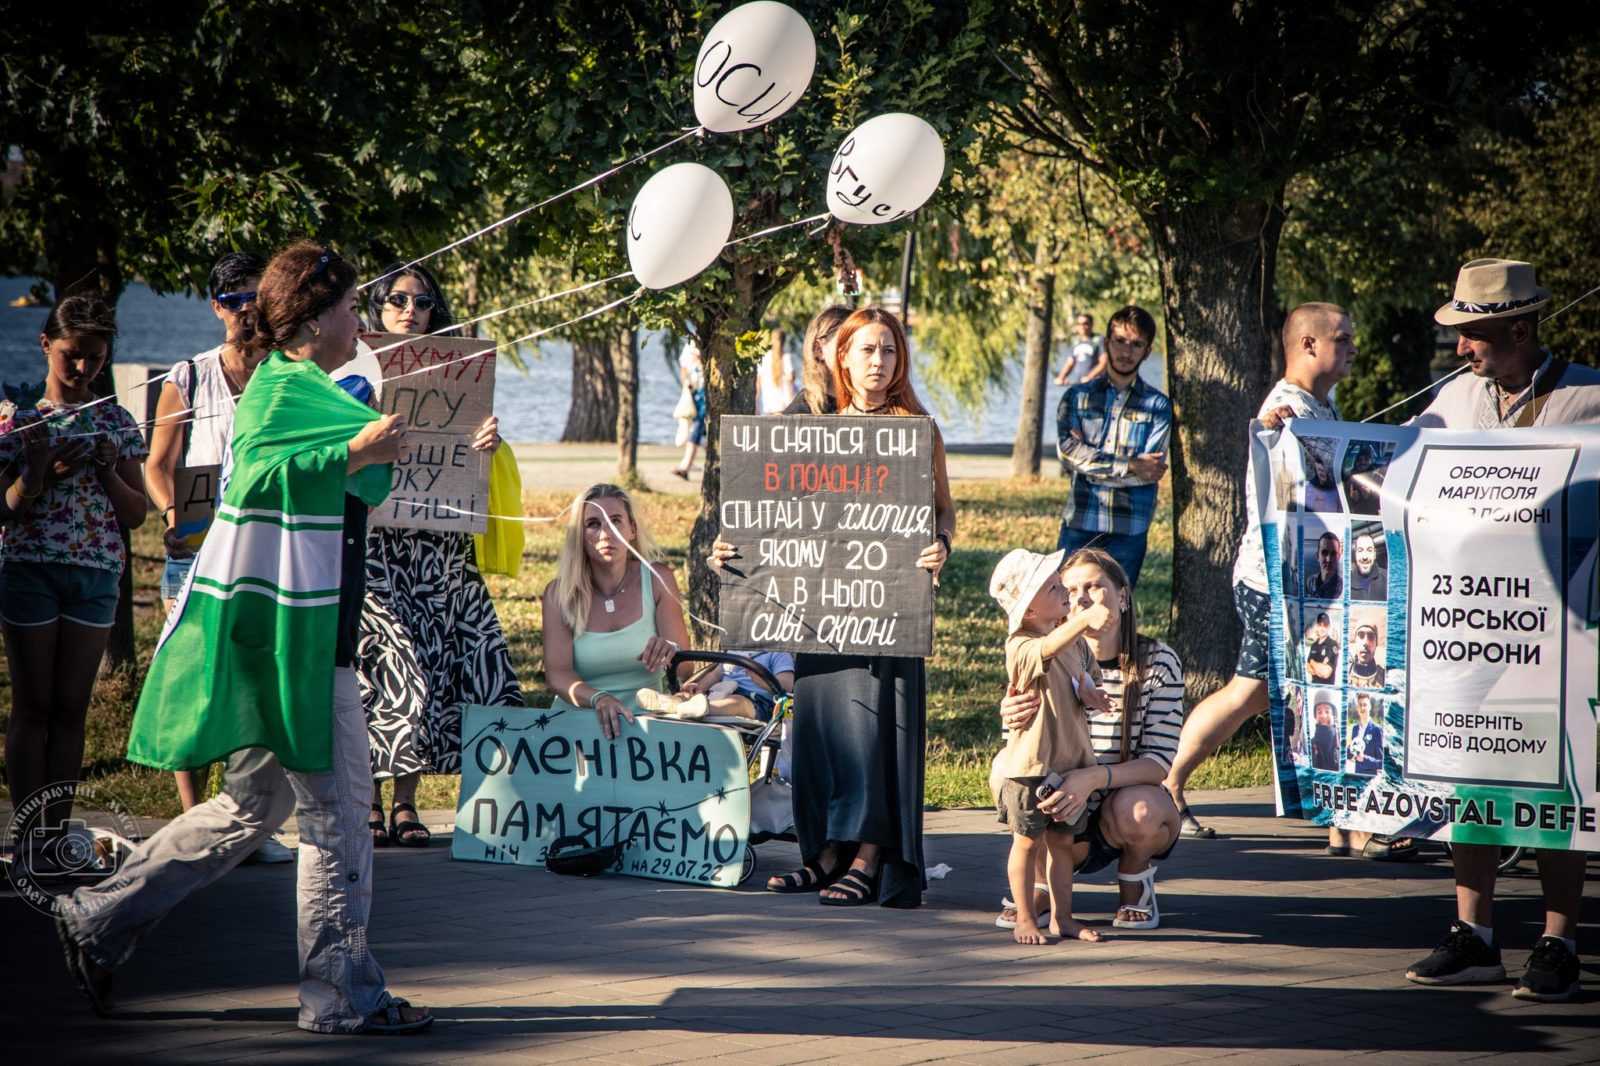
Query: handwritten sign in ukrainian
point(196, 490)
point(438, 472)
point(829, 514)
point(675, 793)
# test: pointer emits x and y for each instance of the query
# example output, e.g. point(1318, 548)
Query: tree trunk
point(730, 389)
point(625, 365)
point(1217, 266)
point(593, 414)
point(1035, 365)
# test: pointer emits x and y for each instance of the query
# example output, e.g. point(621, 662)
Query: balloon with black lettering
point(885, 169)
point(678, 224)
point(755, 65)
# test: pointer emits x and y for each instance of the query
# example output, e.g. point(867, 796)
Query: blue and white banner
point(1434, 669)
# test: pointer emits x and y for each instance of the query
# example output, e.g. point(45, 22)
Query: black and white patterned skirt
point(430, 643)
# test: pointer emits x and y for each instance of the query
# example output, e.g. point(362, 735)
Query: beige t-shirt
point(1057, 740)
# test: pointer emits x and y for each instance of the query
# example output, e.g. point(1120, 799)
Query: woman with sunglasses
point(431, 642)
point(194, 425)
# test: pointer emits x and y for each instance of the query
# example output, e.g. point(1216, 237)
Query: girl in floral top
point(69, 483)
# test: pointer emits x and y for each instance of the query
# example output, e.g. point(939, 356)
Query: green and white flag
point(246, 658)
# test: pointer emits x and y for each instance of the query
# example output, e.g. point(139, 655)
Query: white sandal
point(1000, 921)
point(1147, 901)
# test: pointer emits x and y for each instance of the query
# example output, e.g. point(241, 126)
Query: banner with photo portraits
point(1434, 668)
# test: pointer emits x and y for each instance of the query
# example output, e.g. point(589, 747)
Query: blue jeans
point(1126, 548)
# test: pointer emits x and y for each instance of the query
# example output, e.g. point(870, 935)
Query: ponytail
point(300, 283)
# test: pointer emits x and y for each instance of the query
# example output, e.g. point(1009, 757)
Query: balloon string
point(1463, 366)
point(775, 229)
point(63, 413)
point(140, 427)
point(539, 520)
point(1419, 392)
point(506, 311)
point(491, 227)
point(522, 339)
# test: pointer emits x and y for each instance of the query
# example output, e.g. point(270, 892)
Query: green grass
point(966, 675)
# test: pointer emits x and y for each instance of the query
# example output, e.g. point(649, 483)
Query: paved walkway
point(570, 467)
point(1270, 953)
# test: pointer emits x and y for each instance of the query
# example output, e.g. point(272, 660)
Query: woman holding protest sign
point(860, 719)
point(613, 617)
point(1133, 822)
point(431, 641)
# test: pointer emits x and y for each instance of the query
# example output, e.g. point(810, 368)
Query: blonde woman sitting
point(611, 623)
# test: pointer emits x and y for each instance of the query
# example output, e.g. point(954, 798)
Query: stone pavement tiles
point(1270, 952)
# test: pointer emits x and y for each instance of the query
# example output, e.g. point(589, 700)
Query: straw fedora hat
point(1492, 288)
point(1018, 579)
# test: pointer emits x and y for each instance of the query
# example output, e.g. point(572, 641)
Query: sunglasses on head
point(235, 301)
point(399, 300)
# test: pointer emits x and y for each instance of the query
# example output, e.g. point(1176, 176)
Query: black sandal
point(861, 888)
point(375, 826)
point(809, 878)
point(411, 834)
point(1189, 826)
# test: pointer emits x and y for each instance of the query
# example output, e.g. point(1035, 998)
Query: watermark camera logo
point(53, 853)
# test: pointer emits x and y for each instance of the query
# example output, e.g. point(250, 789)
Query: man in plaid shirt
point(1111, 435)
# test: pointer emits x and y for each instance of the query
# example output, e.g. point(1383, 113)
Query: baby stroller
point(771, 811)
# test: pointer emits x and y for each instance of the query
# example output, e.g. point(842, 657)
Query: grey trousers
point(340, 982)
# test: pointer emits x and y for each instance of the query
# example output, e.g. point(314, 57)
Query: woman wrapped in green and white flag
point(255, 665)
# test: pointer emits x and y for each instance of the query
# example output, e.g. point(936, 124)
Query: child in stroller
point(728, 691)
point(758, 709)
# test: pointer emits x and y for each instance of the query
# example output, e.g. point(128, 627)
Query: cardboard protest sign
point(1435, 667)
point(443, 408)
point(829, 514)
point(196, 490)
point(675, 793)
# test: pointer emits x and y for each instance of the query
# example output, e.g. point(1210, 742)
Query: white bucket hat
point(1492, 288)
point(1017, 580)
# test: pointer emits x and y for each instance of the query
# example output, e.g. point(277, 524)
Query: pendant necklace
point(611, 597)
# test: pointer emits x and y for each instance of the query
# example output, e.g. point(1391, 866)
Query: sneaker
point(1461, 959)
point(1552, 973)
point(272, 850)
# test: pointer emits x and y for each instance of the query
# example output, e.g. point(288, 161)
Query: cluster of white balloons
point(754, 66)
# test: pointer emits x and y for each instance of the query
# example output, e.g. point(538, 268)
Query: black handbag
point(576, 857)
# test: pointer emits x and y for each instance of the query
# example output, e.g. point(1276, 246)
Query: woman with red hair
point(860, 719)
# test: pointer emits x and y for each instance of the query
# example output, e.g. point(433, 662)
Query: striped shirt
point(1154, 731)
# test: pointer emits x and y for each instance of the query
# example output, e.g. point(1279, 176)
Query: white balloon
point(887, 168)
point(678, 224)
point(755, 65)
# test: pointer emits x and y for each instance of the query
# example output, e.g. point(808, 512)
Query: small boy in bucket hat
point(1045, 652)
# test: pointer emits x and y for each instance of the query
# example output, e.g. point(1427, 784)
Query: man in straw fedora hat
point(1514, 382)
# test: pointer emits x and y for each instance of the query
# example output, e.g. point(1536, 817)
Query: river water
point(532, 405)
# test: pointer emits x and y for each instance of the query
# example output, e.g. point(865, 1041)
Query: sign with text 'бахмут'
point(444, 390)
point(829, 514)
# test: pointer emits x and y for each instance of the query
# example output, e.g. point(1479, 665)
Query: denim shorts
point(38, 594)
point(1255, 614)
point(173, 575)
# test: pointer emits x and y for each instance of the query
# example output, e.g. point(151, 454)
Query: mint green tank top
point(610, 661)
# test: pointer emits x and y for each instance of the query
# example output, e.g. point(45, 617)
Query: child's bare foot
point(1028, 933)
point(1072, 930)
